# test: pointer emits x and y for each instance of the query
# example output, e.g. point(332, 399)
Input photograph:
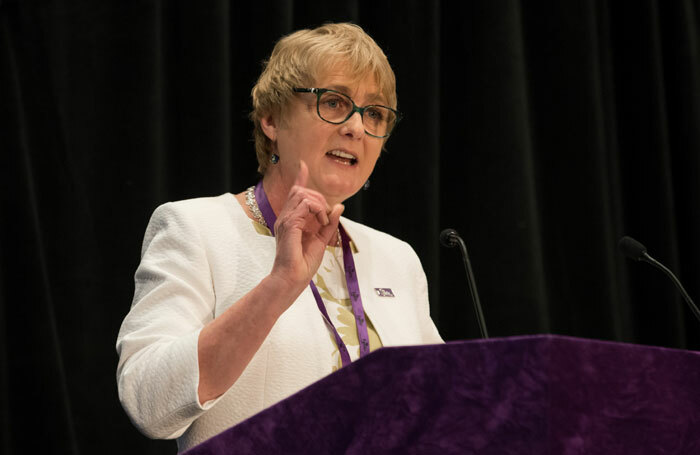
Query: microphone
point(632, 248)
point(450, 238)
point(635, 250)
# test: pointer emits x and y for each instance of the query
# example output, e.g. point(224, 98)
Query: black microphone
point(450, 238)
point(635, 250)
point(632, 248)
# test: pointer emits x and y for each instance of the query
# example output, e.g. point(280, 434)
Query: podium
point(543, 394)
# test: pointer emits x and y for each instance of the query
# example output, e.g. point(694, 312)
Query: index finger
point(302, 175)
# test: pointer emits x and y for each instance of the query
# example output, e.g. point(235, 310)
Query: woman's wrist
point(282, 290)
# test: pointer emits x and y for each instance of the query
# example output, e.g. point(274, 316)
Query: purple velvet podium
point(522, 395)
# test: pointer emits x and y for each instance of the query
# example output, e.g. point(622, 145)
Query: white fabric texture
point(200, 256)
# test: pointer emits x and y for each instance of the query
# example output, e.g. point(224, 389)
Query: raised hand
point(305, 225)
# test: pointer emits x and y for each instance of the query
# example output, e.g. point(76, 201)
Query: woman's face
point(341, 157)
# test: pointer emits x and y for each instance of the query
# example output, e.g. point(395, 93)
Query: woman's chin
point(337, 192)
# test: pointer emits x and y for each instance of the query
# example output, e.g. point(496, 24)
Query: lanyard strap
point(350, 280)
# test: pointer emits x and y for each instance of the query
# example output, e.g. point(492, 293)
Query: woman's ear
point(268, 124)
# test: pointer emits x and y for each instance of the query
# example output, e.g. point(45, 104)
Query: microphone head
point(448, 237)
point(631, 248)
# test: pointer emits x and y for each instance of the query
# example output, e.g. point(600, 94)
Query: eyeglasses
point(336, 108)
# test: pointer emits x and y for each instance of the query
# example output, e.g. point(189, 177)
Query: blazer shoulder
point(367, 237)
point(193, 212)
point(198, 215)
point(212, 205)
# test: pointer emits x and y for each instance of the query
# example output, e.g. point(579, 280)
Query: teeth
point(341, 154)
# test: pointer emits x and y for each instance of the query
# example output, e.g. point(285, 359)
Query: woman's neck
point(276, 191)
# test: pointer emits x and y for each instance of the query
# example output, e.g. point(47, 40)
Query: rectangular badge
point(384, 292)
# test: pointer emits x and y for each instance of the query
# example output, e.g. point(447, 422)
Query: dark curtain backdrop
point(541, 131)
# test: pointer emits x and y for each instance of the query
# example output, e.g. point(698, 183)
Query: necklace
point(252, 204)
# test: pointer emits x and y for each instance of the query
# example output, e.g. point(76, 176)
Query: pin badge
point(384, 292)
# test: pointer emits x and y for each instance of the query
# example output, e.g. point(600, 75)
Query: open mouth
point(342, 157)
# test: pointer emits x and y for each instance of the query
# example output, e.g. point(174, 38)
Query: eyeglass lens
point(335, 107)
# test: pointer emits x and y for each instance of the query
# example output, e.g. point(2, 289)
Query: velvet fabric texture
point(541, 394)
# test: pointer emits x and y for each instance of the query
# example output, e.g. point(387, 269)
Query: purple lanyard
point(350, 279)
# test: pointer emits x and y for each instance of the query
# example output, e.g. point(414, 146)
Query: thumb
point(336, 211)
point(333, 219)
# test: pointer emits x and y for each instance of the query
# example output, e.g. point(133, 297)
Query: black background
point(541, 131)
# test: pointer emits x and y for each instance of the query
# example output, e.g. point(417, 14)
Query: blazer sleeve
point(158, 370)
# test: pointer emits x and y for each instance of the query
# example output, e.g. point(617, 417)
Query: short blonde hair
point(299, 59)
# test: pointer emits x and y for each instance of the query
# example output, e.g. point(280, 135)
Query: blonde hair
point(299, 59)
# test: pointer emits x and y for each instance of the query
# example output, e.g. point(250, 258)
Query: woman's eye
point(334, 102)
point(375, 114)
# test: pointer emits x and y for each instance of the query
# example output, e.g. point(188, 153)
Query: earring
point(366, 185)
point(274, 158)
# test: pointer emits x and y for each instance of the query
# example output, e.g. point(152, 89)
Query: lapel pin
point(384, 292)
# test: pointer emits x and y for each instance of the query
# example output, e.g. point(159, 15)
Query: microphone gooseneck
point(450, 238)
point(635, 250)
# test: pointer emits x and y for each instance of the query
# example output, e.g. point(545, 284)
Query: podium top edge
point(550, 337)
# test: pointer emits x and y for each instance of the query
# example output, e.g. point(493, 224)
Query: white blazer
point(200, 256)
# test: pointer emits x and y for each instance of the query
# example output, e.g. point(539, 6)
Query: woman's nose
point(354, 126)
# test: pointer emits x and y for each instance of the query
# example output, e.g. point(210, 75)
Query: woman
point(228, 319)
